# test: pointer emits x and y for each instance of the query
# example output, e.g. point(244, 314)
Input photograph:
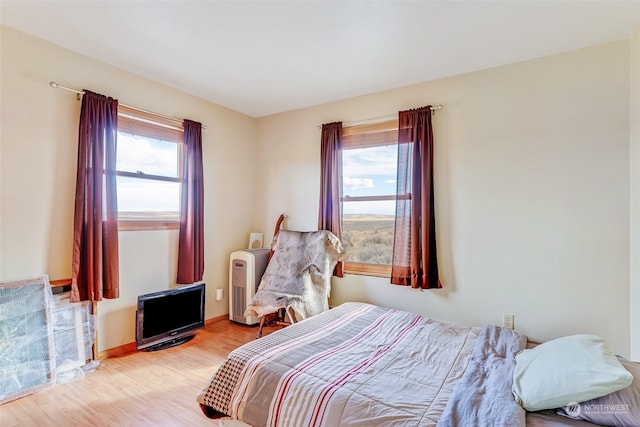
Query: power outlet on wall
point(219, 294)
point(508, 321)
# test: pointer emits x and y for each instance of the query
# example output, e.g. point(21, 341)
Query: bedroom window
point(369, 165)
point(148, 163)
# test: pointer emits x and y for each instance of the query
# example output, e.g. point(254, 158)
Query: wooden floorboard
point(139, 389)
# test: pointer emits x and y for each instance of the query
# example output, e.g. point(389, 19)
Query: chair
point(298, 276)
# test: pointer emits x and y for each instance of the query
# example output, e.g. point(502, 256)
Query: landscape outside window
point(369, 187)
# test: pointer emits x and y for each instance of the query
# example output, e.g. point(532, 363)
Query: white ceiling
point(265, 57)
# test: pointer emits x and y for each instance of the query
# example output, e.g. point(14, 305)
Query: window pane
point(137, 196)
point(369, 171)
point(367, 226)
point(367, 231)
point(151, 156)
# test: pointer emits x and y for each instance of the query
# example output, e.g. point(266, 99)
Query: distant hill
point(367, 217)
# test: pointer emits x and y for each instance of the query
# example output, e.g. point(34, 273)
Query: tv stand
point(170, 343)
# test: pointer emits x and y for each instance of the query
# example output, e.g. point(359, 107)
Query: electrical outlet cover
point(508, 321)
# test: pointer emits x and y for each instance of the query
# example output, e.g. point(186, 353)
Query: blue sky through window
point(369, 172)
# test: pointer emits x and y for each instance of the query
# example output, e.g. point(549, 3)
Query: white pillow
point(569, 369)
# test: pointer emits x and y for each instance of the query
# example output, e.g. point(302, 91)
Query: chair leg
point(259, 334)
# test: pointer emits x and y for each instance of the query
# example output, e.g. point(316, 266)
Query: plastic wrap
point(26, 344)
point(73, 337)
point(44, 339)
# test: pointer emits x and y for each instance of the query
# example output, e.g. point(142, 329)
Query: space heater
point(246, 268)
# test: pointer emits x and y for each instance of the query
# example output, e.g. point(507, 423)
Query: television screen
point(168, 318)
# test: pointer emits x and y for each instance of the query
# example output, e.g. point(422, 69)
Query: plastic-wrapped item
point(26, 338)
point(44, 339)
point(73, 336)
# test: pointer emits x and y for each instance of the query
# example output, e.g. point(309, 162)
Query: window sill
point(362, 269)
point(148, 225)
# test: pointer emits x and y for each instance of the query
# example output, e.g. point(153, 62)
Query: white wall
point(38, 143)
point(532, 192)
point(635, 196)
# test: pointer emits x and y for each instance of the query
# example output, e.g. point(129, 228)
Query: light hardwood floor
point(138, 389)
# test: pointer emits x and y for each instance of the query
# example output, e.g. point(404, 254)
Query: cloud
point(378, 161)
point(357, 182)
point(150, 156)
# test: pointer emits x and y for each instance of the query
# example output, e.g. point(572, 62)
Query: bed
point(363, 365)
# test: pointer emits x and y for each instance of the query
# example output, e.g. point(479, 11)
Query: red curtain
point(330, 215)
point(94, 270)
point(191, 239)
point(415, 260)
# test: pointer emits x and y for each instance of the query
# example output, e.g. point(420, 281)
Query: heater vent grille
point(239, 303)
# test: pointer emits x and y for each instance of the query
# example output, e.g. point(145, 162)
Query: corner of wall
point(634, 195)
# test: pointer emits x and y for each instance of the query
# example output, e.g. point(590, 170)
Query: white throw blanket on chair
point(298, 276)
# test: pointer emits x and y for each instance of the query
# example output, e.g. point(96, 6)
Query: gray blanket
point(483, 396)
point(298, 276)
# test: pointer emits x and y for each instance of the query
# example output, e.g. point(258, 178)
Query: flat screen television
point(168, 318)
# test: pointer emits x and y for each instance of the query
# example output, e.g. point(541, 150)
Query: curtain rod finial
point(53, 84)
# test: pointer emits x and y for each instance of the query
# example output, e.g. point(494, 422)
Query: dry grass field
point(368, 238)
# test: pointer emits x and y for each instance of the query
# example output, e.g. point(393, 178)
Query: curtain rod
point(79, 93)
point(379, 119)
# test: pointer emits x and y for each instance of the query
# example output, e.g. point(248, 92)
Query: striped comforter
point(357, 364)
